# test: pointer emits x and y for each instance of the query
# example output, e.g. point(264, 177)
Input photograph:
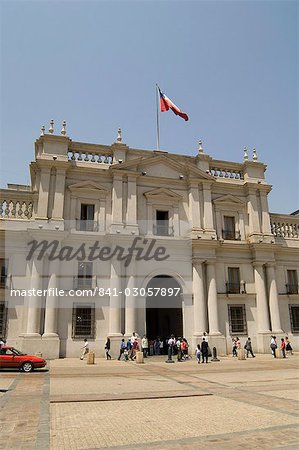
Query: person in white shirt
point(133, 338)
point(144, 345)
point(85, 349)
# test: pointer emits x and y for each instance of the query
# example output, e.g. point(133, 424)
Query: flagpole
point(158, 122)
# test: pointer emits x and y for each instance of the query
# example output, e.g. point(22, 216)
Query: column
point(34, 301)
point(115, 300)
point(254, 223)
point(73, 216)
point(117, 193)
point(51, 311)
point(59, 195)
point(176, 224)
point(199, 301)
point(273, 299)
point(131, 216)
point(218, 224)
point(131, 301)
point(212, 299)
point(261, 298)
point(194, 210)
point(43, 194)
point(208, 210)
point(266, 226)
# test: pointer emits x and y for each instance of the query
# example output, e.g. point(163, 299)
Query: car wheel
point(27, 367)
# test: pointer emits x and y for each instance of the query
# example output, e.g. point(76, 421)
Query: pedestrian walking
point(283, 348)
point(185, 347)
point(179, 348)
point(273, 345)
point(289, 348)
point(144, 346)
point(198, 354)
point(234, 348)
point(85, 349)
point(161, 345)
point(107, 349)
point(171, 343)
point(157, 346)
point(248, 347)
point(134, 349)
point(204, 350)
point(122, 349)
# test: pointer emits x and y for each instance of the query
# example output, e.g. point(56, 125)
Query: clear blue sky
point(232, 66)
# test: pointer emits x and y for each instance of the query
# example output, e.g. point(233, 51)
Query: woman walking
point(107, 349)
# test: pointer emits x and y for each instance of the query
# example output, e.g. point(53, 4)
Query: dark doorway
point(164, 311)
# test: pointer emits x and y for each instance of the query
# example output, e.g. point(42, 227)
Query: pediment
point(228, 200)
point(88, 186)
point(163, 166)
point(162, 194)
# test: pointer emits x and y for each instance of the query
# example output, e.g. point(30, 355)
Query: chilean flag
point(166, 103)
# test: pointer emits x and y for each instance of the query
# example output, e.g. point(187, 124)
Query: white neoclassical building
point(108, 240)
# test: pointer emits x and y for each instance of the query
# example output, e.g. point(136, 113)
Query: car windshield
point(17, 352)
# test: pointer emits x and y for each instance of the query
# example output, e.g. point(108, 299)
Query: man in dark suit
point(204, 350)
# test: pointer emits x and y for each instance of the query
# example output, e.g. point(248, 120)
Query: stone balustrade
point(284, 226)
point(87, 156)
point(16, 209)
point(226, 172)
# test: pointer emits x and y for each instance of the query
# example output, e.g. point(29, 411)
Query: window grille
point(3, 319)
point(237, 319)
point(294, 318)
point(83, 321)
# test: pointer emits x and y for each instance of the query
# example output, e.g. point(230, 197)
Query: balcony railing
point(163, 230)
point(283, 226)
point(86, 225)
point(235, 288)
point(231, 235)
point(292, 288)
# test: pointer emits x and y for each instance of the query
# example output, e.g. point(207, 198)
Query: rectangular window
point(84, 279)
point(292, 286)
point(83, 325)
point(87, 222)
point(3, 319)
point(162, 223)
point(294, 318)
point(237, 319)
point(229, 231)
point(233, 284)
point(3, 271)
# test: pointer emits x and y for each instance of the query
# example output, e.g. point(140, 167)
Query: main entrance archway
point(164, 315)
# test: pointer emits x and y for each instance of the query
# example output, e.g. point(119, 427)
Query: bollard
point(215, 359)
point(139, 358)
point(278, 353)
point(39, 354)
point(241, 353)
point(90, 358)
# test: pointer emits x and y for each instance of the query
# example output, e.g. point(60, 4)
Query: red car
point(11, 358)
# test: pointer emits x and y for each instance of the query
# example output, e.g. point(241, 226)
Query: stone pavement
point(230, 404)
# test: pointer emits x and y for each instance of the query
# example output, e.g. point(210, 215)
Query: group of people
point(237, 346)
point(180, 347)
point(285, 346)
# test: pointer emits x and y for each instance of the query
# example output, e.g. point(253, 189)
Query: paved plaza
point(231, 404)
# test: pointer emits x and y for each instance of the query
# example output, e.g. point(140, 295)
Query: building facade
point(108, 240)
